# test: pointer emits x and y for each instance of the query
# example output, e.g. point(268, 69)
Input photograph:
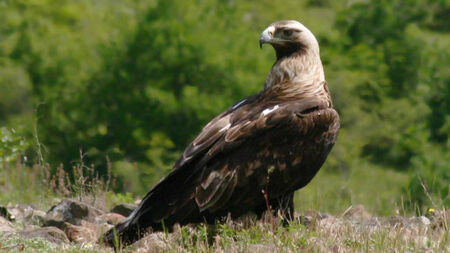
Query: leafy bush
point(12, 146)
point(131, 83)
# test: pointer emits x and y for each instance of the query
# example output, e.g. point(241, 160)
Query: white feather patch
point(238, 104)
point(269, 110)
point(225, 127)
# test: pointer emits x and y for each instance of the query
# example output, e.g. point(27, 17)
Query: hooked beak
point(266, 36)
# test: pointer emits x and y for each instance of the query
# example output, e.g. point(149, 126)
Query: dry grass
point(319, 234)
point(311, 232)
point(330, 234)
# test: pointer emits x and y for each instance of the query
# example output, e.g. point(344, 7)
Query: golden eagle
point(256, 153)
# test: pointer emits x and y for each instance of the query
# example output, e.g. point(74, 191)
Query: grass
point(331, 192)
point(248, 235)
point(43, 186)
point(379, 190)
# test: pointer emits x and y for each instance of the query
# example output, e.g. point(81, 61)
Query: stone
point(261, 248)
point(110, 218)
point(153, 242)
point(375, 221)
point(26, 213)
point(5, 225)
point(38, 217)
point(305, 219)
point(98, 201)
point(421, 221)
point(330, 223)
point(123, 209)
point(310, 217)
point(316, 214)
point(21, 212)
point(5, 213)
point(357, 212)
point(53, 223)
point(72, 211)
point(441, 219)
point(86, 232)
point(398, 221)
point(51, 234)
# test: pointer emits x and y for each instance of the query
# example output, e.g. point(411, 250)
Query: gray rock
point(375, 222)
point(123, 209)
point(72, 211)
point(26, 213)
point(305, 219)
point(398, 221)
point(153, 242)
point(261, 248)
point(38, 217)
point(53, 223)
point(110, 218)
point(86, 232)
point(5, 225)
point(421, 221)
point(441, 219)
point(357, 212)
point(50, 234)
point(310, 217)
point(5, 213)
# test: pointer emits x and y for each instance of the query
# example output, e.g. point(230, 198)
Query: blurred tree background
point(130, 83)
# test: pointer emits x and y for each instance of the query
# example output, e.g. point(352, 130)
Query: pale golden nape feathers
point(298, 70)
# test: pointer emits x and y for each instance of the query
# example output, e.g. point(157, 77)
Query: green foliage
point(130, 83)
point(336, 192)
point(430, 182)
point(406, 93)
point(12, 146)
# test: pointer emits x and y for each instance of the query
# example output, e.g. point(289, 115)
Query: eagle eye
point(287, 33)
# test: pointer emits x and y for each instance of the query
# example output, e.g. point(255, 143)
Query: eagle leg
point(284, 206)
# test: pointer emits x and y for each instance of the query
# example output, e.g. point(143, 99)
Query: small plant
point(12, 146)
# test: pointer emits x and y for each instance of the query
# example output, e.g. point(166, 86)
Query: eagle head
point(289, 36)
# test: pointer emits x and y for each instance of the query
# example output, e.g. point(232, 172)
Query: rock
point(312, 216)
point(51, 234)
point(153, 242)
point(72, 211)
point(123, 209)
point(421, 221)
point(98, 201)
point(38, 217)
point(5, 225)
point(53, 223)
point(357, 213)
point(305, 219)
point(5, 213)
point(27, 213)
point(110, 218)
point(261, 248)
point(375, 221)
point(330, 223)
point(398, 221)
point(441, 219)
point(21, 212)
point(316, 214)
point(86, 232)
